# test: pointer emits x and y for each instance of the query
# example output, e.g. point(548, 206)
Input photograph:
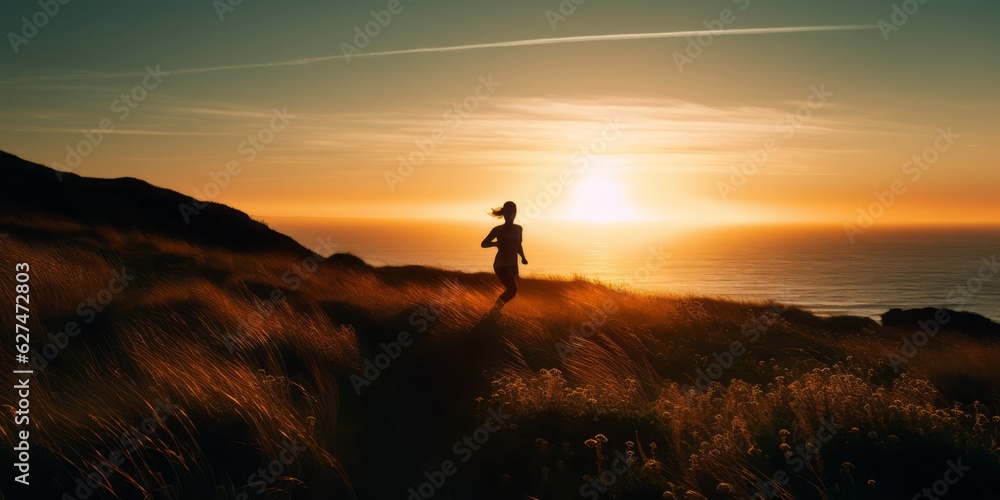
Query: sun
point(601, 198)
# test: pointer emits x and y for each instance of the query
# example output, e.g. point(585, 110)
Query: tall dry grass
point(586, 371)
point(164, 337)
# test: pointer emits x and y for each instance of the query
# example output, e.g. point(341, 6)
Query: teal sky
point(683, 132)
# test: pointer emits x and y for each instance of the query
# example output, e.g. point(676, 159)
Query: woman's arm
point(488, 241)
point(520, 246)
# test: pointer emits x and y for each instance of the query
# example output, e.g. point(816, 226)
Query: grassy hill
point(220, 359)
point(30, 191)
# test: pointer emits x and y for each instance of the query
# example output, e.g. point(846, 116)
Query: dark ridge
point(31, 190)
point(348, 260)
point(936, 319)
point(856, 324)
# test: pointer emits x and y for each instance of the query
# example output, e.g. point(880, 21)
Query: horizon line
point(819, 223)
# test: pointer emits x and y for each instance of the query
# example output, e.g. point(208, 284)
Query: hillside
point(242, 365)
point(29, 190)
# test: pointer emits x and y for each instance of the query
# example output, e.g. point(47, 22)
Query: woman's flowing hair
point(508, 208)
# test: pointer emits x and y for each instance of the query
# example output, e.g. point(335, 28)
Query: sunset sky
point(613, 126)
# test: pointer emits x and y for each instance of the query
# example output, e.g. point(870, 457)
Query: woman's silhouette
point(507, 238)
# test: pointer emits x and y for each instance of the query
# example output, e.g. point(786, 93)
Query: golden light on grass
point(614, 360)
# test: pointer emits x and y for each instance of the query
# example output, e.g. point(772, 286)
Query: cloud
point(117, 131)
point(476, 46)
point(537, 133)
point(609, 38)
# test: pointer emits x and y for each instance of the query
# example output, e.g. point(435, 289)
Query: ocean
point(817, 268)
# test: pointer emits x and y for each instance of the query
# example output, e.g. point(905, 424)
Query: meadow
point(169, 369)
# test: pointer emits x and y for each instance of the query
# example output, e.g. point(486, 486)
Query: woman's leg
point(507, 276)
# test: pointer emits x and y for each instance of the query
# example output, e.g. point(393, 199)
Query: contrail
point(477, 46)
point(608, 38)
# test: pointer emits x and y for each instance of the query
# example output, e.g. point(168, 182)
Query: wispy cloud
point(543, 133)
point(119, 131)
point(459, 48)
